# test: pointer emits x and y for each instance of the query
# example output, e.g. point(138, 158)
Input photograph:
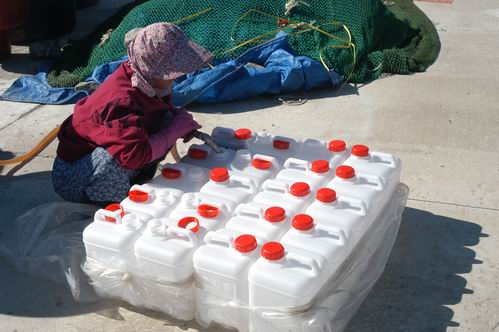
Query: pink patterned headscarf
point(163, 51)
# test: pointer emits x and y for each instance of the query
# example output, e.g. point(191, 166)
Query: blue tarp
point(271, 67)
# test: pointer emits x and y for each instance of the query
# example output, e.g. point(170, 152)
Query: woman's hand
point(183, 123)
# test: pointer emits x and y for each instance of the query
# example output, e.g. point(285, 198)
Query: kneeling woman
point(117, 136)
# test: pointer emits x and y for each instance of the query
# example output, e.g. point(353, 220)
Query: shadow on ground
point(22, 64)
point(267, 101)
point(421, 276)
point(5, 155)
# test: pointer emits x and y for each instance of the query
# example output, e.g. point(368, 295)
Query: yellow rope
point(348, 44)
point(295, 25)
point(186, 18)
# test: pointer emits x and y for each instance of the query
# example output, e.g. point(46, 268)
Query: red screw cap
point(360, 150)
point(272, 251)
point(261, 164)
point(208, 211)
point(299, 189)
point(114, 207)
point(345, 172)
point(245, 243)
point(320, 166)
point(191, 222)
point(303, 222)
point(337, 145)
point(326, 195)
point(219, 174)
point(280, 145)
point(171, 173)
point(197, 153)
point(275, 214)
point(138, 196)
point(242, 133)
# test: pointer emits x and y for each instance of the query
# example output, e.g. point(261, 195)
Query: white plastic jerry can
point(315, 174)
point(152, 201)
point(258, 167)
point(165, 252)
point(204, 156)
point(293, 198)
point(335, 151)
point(211, 212)
point(285, 278)
point(269, 224)
point(232, 188)
point(222, 266)
point(347, 213)
point(110, 238)
point(324, 239)
point(233, 139)
point(180, 176)
point(365, 187)
point(384, 165)
point(279, 147)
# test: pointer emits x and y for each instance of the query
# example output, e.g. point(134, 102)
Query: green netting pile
point(361, 39)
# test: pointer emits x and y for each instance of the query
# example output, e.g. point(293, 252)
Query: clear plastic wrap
point(138, 289)
point(47, 241)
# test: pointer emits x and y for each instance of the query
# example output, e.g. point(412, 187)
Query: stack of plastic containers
point(263, 227)
point(109, 244)
point(222, 267)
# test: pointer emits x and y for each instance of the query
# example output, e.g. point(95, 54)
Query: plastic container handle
point(244, 182)
point(298, 164)
point(182, 233)
point(357, 203)
point(309, 261)
point(333, 230)
point(249, 211)
point(380, 182)
point(216, 238)
point(279, 187)
point(116, 215)
point(387, 158)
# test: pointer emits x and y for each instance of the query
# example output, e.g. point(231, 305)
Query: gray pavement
point(443, 124)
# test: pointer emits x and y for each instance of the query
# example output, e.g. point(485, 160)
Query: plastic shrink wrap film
point(342, 294)
point(46, 241)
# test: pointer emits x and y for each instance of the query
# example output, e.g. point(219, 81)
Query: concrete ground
point(443, 124)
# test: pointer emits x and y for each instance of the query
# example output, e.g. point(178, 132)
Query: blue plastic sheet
point(271, 67)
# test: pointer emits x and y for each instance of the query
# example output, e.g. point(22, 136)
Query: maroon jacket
point(117, 117)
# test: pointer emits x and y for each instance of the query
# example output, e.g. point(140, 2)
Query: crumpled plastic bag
point(47, 242)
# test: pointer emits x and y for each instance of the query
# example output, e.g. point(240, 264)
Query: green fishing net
point(360, 39)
